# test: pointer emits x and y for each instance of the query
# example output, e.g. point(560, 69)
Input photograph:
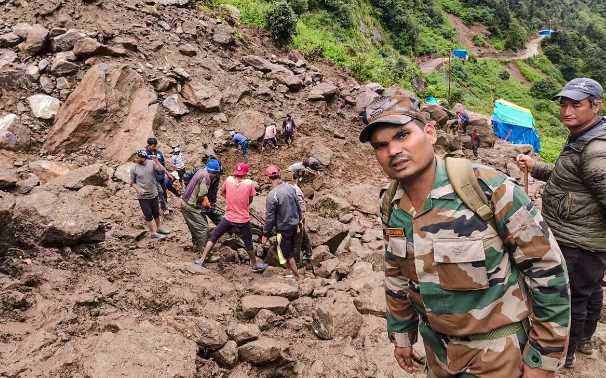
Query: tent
point(515, 124)
point(430, 100)
point(460, 53)
point(546, 33)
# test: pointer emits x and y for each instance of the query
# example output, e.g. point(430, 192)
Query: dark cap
point(580, 88)
point(396, 110)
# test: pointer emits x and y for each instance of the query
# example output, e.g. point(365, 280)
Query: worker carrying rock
point(469, 262)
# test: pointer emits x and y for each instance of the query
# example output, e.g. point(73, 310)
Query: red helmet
point(241, 169)
point(272, 171)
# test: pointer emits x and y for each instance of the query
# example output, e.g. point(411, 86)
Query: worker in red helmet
point(282, 216)
point(239, 193)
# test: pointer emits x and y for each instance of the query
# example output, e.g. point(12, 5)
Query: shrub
point(544, 89)
point(282, 22)
point(299, 6)
point(504, 75)
point(478, 40)
point(516, 36)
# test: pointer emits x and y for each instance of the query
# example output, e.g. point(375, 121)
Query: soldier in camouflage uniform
point(490, 299)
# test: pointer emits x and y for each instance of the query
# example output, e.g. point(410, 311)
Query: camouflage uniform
point(457, 280)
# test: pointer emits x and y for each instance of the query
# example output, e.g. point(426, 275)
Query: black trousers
point(585, 271)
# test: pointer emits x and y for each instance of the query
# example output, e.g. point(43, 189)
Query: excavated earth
point(85, 293)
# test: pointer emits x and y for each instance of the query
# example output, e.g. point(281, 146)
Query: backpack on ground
point(465, 184)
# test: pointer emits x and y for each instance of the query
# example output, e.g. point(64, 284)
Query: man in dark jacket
point(574, 204)
point(154, 153)
point(288, 129)
point(282, 214)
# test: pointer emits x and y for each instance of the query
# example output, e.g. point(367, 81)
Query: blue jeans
point(244, 148)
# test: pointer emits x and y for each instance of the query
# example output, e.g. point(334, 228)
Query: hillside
point(387, 40)
point(84, 291)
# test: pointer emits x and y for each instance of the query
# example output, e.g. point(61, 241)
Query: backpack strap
point(465, 184)
point(387, 196)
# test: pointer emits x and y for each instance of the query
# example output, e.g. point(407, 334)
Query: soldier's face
point(404, 151)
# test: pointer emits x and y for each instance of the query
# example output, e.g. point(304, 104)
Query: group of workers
point(285, 207)
point(270, 137)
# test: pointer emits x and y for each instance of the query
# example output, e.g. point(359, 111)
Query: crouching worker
point(282, 214)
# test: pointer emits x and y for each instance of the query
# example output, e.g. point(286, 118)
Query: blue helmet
point(213, 166)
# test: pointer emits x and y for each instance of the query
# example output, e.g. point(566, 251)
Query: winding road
point(532, 49)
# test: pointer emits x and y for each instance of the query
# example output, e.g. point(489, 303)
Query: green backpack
point(463, 181)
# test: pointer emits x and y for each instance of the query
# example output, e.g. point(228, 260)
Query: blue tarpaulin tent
point(430, 100)
point(545, 33)
point(460, 53)
point(515, 124)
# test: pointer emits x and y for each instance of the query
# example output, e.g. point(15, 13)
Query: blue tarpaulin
point(430, 100)
point(460, 53)
point(515, 124)
point(545, 33)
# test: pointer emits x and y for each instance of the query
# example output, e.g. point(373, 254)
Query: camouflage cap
point(395, 110)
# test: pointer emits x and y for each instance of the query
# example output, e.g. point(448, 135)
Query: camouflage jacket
point(463, 277)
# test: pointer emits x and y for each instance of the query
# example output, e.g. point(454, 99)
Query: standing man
point(241, 141)
point(489, 294)
point(143, 180)
point(574, 204)
point(196, 199)
point(179, 162)
point(282, 215)
point(475, 142)
point(270, 137)
point(288, 129)
point(239, 193)
point(154, 153)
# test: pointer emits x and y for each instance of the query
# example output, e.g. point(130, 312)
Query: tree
point(516, 36)
point(544, 89)
point(282, 22)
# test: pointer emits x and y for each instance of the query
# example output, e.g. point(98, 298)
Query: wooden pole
point(525, 178)
point(449, 73)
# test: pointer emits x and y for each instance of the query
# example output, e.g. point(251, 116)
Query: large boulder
point(364, 99)
point(228, 355)
point(261, 351)
point(85, 47)
point(13, 135)
point(287, 78)
point(46, 170)
point(281, 288)
point(109, 108)
point(95, 175)
point(55, 220)
point(202, 95)
point(322, 153)
point(36, 41)
point(323, 91)
point(259, 63)
point(364, 197)
point(252, 304)
point(327, 231)
point(337, 317)
point(207, 333)
point(175, 105)
point(67, 40)
point(371, 301)
point(7, 204)
point(250, 123)
point(43, 106)
point(436, 113)
point(243, 333)
point(484, 128)
point(63, 64)
point(9, 39)
point(223, 34)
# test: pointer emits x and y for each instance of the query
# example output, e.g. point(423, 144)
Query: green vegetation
point(479, 84)
point(379, 40)
point(281, 21)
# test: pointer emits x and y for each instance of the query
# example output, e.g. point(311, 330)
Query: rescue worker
point(288, 129)
point(239, 193)
point(154, 153)
point(479, 276)
point(475, 142)
point(241, 141)
point(574, 205)
point(196, 200)
point(282, 216)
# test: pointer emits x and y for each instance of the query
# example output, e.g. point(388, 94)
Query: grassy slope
point(320, 35)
